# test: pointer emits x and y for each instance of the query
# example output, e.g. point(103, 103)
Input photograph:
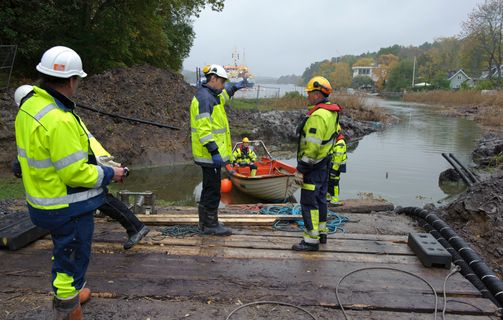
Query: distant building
point(486, 75)
point(457, 78)
point(366, 71)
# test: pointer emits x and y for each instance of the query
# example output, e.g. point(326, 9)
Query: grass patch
point(487, 108)
point(287, 102)
point(355, 106)
point(11, 188)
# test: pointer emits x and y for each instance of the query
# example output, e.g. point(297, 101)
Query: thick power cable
point(160, 125)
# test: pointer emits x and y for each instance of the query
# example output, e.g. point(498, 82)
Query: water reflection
point(401, 164)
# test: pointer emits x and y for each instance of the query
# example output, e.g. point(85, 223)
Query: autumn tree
point(106, 33)
point(485, 24)
point(384, 64)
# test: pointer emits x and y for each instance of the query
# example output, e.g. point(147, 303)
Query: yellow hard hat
point(245, 139)
point(320, 84)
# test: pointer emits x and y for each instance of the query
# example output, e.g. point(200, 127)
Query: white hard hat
point(61, 62)
point(21, 92)
point(215, 69)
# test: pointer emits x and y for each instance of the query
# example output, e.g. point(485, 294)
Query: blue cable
point(334, 221)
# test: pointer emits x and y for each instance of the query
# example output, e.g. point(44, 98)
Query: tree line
point(105, 33)
point(478, 48)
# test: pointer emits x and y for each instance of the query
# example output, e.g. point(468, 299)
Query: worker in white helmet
point(63, 185)
point(211, 142)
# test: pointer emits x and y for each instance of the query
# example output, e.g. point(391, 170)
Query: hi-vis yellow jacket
point(53, 146)
point(317, 135)
point(339, 155)
point(210, 133)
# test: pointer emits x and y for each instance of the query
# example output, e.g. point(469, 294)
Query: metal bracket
point(143, 202)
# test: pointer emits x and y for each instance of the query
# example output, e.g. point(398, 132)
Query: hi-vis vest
point(53, 150)
point(318, 133)
point(242, 157)
point(339, 155)
point(208, 122)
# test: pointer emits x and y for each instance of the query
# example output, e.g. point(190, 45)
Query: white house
point(367, 71)
point(458, 78)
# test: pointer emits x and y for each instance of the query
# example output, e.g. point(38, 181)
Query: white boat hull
point(276, 188)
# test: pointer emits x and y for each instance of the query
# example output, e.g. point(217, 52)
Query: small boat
point(274, 181)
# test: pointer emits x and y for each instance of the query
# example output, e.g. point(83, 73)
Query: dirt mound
point(477, 215)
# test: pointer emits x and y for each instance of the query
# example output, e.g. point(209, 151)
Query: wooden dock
point(206, 277)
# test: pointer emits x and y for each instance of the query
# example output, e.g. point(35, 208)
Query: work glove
point(342, 167)
point(217, 160)
point(16, 169)
point(107, 161)
point(241, 84)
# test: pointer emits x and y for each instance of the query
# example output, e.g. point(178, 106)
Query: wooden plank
point(276, 273)
point(362, 206)
point(17, 230)
point(104, 303)
point(222, 280)
point(210, 250)
point(279, 243)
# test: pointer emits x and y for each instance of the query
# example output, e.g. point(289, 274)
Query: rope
point(334, 221)
point(270, 302)
point(454, 269)
point(180, 231)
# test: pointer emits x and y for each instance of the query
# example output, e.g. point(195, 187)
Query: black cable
point(270, 302)
point(383, 268)
point(160, 125)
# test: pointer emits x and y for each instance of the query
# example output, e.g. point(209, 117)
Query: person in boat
point(244, 156)
point(317, 133)
point(211, 142)
point(113, 207)
point(63, 185)
point(337, 166)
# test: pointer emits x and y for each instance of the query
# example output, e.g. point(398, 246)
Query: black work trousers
point(117, 210)
point(210, 194)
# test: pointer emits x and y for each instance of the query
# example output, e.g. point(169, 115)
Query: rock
point(490, 146)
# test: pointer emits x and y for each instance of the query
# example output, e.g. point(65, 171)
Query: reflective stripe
point(314, 140)
point(219, 131)
point(89, 135)
point(339, 153)
point(208, 137)
point(203, 160)
point(310, 160)
point(39, 164)
point(203, 115)
point(71, 198)
point(193, 129)
point(206, 160)
point(308, 186)
point(331, 141)
point(71, 159)
point(39, 115)
point(308, 239)
point(101, 175)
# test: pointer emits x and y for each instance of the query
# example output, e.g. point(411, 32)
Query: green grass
point(264, 104)
point(11, 188)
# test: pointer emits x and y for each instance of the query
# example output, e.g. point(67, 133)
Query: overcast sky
point(281, 37)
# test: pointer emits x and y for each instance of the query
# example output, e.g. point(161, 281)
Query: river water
point(400, 164)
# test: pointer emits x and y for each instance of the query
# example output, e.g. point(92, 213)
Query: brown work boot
point(67, 309)
point(84, 295)
point(75, 314)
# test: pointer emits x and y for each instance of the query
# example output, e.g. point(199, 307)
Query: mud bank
point(477, 214)
point(161, 96)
